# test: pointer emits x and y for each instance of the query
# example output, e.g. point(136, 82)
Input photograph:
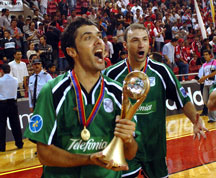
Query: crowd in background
point(165, 20)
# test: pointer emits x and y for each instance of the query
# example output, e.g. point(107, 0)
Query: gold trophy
point(136, 86)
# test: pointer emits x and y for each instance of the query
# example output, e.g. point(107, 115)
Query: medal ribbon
point(80, 103)
point(130, 69)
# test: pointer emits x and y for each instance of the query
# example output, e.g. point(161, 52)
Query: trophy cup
point(136, 86)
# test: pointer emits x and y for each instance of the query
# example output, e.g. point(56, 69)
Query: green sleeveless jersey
point(55, 121)
point(151, 115)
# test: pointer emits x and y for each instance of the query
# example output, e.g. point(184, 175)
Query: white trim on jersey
point(131, 173)
point(93, 92)
point(120, 73)
point(60, 83)
point(179, 98)
point(52, 133)
point(164, 84)
point(114, 84)
point(114, 67)
point(62, 99)
point(85, 99)
point(111, 94)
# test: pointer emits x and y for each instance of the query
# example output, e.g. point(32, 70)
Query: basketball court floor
point(186, 158)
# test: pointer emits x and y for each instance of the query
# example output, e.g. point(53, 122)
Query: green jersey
point(151, 114)
point(55, 121)
point(213, 88)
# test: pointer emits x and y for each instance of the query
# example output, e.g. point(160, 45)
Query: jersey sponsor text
point(91, 144)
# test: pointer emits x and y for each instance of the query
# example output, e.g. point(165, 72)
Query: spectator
point(32, 34)
point(29, 65)
point(36, 82)
point(5, 20)
point(52, 70)
point(19, 70)
point(63, 7)
point(120, 34)
point(43, 6)
point(207, 75)
point(16, 33)
point(45, 51)
point(181, 59)
point(122, 56)
point(26, 25)
point(159, 33)
point(62, 62)
point(31, 50)
point(9, 109)
point(117, 48)
point(21, 22)
point(108, 48)
point(169, 53)
point(213, 45)
point(72, 16)
point(52, 38)
point(9, 47)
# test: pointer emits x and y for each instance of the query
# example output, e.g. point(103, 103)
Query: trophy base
point(115, 152)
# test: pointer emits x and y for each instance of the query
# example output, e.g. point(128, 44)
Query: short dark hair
point(32, 55)
point(17, 50)
point(174, 39)
point(133, 26)
point(7, 31)
point(45, 38)
point(69, 35)
point(206, 51)
point(6, 68)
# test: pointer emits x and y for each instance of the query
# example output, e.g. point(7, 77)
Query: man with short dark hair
point(45, 51)
point(8, 108)
point(8, 45)
point(207, 75)
point(168, 53)
point(19, 70)
point(76, 114)
point(36, 82)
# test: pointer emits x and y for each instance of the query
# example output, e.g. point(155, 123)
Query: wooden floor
point(178, 127)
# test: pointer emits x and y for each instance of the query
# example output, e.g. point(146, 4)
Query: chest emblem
point(108, 105)
point(152, 81)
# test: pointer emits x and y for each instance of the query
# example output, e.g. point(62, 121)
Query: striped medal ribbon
point(85, 134)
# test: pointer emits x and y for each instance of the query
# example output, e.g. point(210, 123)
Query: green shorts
point(152, 169)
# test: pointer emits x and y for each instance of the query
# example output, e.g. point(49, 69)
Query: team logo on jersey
point(108, 105)
point(152, 81)
point(183, 92)
point(36, 123)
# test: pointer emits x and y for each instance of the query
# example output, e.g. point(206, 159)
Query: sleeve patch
point(36, 123)
point(183, 92)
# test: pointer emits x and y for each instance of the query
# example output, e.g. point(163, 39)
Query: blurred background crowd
point(169, 23)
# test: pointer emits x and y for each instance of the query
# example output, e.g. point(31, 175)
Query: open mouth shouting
point(99, 55)
point(141, 54)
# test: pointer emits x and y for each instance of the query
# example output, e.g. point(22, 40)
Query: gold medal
point(85, 134)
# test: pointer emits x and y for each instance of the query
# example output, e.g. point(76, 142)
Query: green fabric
point(61, 126)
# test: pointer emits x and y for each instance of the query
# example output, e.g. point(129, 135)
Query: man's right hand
point(97, 159)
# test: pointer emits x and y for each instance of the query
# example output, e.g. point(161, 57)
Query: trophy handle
point(136, 85)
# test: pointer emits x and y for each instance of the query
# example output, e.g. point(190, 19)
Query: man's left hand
point(124, 129)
